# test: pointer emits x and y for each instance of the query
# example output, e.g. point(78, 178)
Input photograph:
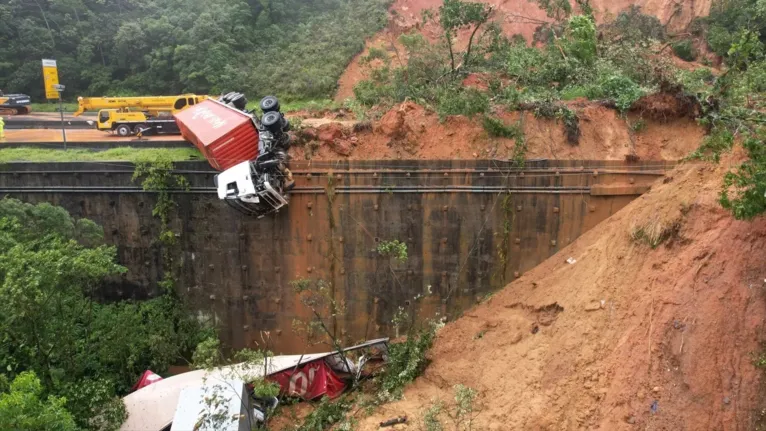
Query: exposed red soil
point(628, 337)
point(515, 17)
point(410, 131)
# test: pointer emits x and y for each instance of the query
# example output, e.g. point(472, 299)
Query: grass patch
point(715, 144)
point(759, 360)
point(52, 107)
point(571, 93)
point(129, 154)
point(655, 232)
point(638, 126)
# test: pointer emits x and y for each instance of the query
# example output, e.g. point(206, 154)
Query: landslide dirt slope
point(516, 17)
point(598, 343)
point(408, 131)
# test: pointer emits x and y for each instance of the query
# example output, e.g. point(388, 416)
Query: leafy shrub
point(581, 38)
point(497, 129)
point(406, 361)
point(524, 63)
point(368, 93)
point(395, 249)
point(463, 101)
point(697, 80)
point(326, 414)
point(461, 413)
point(375, 53)
point(622, 90)
point(744, 191)
point(685, 50)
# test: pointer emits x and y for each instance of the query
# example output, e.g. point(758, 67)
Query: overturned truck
point(250, 152)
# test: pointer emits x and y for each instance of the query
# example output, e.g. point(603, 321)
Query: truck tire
point(123, 130)
point(139, 127)
point(269, 103)
point(272, 121)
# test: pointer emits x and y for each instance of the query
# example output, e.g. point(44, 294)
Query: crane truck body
point(250, 152)
point(130, 115)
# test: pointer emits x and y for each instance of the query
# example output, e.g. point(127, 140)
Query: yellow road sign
point(51, 77)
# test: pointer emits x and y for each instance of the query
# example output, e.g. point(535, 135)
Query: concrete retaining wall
point(470, 227)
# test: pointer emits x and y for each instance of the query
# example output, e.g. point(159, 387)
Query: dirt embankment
point(409, 131)
point(628, 337)
point(515, 17)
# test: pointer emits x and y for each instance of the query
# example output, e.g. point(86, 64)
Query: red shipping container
point(310, 381)
point(146, 379)
point(224, 135)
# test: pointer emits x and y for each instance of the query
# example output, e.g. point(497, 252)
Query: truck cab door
point(104, 118)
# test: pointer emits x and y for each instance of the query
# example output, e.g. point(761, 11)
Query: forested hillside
point(295, 48)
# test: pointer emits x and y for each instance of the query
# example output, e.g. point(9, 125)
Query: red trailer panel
point(224, 135)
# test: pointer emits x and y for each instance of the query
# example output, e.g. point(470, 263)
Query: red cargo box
point(224, 135)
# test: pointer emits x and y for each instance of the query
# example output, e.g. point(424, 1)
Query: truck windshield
point(103, 116)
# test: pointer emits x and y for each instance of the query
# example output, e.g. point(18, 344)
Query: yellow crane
point(128, 115)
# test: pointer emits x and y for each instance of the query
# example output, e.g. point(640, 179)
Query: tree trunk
point(470, 43)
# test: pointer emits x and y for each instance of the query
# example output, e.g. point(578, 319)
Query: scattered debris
point(654, 407)
point(571, 261)
point(593, 306)
point(307, 377)
point(394, 421)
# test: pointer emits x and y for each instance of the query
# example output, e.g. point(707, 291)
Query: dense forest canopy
point(294, 48)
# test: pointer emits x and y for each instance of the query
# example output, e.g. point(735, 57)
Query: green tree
point(457, 14)
point(52, 271)
point(24, 409)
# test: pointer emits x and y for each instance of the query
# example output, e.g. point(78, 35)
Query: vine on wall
point(157, 176)
point(504, 246)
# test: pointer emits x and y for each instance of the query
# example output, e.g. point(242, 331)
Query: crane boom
point(170, 104)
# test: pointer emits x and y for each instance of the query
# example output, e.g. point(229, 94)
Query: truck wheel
point(139, 127)
point(269, 103)
point(123, 130)
point(272, 121)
